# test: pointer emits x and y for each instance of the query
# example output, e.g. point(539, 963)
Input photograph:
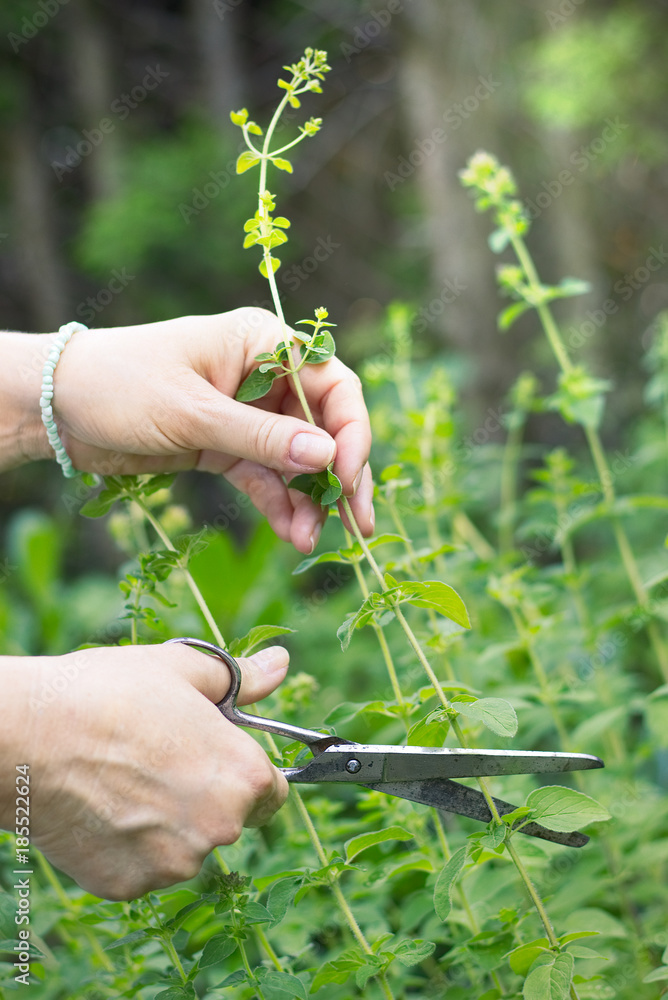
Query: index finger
point(337, 392)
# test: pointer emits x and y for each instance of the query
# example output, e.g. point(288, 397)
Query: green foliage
point(353, 892)
point(595, 69)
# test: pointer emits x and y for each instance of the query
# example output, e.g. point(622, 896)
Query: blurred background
point(119, 203)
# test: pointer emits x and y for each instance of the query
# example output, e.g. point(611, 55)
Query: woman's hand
point(134, 773)
point(160, 397)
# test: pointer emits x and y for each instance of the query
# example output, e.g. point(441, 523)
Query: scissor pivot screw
point(353, 766)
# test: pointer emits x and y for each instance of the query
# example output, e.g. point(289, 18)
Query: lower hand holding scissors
point(421, 774)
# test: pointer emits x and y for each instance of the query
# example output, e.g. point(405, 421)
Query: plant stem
point(257, 930)
point(66, 902)
point(194, 589)
point(597, 452)
point(338, 894)
point(166, 942)
point(508, 499)
point(482, 782)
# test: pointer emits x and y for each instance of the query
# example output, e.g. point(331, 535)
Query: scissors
point(421, 774)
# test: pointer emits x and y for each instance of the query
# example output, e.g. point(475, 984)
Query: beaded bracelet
point(46, 397)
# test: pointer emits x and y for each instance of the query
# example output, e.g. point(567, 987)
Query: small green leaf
point(130, 938)
point(498, 240)
point(274, 262)
point(446, 881)
point(239, 117)
point(257, 635)
point(100, 505)
point(281, 163)
point(304, 482)
point(657, 975)
point(256, 385)
point(216, 950)
point(281, 895)
point(564, 809)
point(363, 841)
point(521, 959)
point(442, 598)
point(495, 713)
point(256, 913)
point(366, 972)
point(508, 315)
point(429, 732)
point(326, 349)
point(186, 992)
point(281, 222)
point(338, 971)
point(412, 952)
point(282, 984)
point(568, 287)
point(250, 240)
point(324, 557)
point(246, 160)
point(550, 981)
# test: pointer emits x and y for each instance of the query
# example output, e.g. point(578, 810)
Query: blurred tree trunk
point(446, 57)
point(90, 62)
point(220, 77)
point(40, 269)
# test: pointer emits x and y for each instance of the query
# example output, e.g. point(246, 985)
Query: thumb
point(261, 673)
point(274, 440)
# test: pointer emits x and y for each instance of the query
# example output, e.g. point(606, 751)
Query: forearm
point(22, 435)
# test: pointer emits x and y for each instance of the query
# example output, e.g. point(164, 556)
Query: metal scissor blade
point(450, 796)
point(365, 763)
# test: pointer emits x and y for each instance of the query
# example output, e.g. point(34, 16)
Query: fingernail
point(312, 451)
point(357, 480)
point(271, 659)
point(315, 535)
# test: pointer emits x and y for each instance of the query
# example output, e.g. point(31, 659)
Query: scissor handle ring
point(228, 705)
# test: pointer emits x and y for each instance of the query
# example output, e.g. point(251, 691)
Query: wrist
point(22, 434)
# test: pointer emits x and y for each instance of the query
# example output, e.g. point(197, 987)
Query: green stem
point(508, 499)
point(597, 452)
point(271, 278)
point(257, 930)
point(66, 902)
point(194, 589)
point(351, 920)
point(166, 942)
point(482, 783)
point(249, 971)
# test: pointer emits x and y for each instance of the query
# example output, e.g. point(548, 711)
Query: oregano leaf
point(446, 882)
point(256, 385)
point(496, 714)
point(246, 160)
point(363, 841)
point(551, 980)
point(564, 809)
